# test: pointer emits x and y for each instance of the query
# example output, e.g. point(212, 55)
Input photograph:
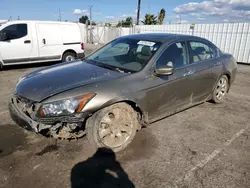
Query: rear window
point(201, 51)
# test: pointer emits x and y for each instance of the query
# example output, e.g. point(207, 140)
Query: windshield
point(127, 55)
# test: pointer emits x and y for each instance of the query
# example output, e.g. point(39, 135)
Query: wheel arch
point(141, 113)
point(68, 50)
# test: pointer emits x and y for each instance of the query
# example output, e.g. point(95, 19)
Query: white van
point(23, 42)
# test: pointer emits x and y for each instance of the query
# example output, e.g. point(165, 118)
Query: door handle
point(217, 63)
point(44, 41)
point(27, 41)
point(188, 73)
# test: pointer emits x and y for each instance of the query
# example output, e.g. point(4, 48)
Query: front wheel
point(113, 127)
point(220, 89)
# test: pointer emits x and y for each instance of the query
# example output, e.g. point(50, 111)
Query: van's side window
point(15, 31)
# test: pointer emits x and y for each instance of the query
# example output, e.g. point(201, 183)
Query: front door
point(171, 93)
point(17, 47)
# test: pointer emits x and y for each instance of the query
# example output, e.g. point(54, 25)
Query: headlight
point(66, 106)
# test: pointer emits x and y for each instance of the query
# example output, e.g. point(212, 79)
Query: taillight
point(82, 46)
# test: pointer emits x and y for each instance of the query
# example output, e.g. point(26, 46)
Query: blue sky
point(197, 11)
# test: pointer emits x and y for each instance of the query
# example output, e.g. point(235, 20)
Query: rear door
point(50, 41)
point(203, 62)
point(18, 47)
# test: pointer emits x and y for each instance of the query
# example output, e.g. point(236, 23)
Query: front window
point(127, 55)
point(15, 31)
point(175, 56)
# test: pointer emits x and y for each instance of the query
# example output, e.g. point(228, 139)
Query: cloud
point(128, 15)
point(109, 17)
point(201, 18)
point(183, 21)
point(223, 9)
point(79, 12)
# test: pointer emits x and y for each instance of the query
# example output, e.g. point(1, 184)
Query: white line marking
point(3, 112)
point(190, 174)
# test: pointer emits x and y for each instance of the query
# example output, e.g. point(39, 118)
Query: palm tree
point(150, 19)
point(161, 16)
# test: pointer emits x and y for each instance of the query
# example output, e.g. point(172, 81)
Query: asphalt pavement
point(205, 146)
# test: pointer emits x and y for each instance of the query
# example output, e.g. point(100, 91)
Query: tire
point(118, 122)
point(1, 66)
point(220, 90)
point(68, 56)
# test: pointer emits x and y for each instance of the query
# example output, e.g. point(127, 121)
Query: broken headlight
point(66, 106)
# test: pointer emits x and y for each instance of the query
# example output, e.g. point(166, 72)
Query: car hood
point(43, 83)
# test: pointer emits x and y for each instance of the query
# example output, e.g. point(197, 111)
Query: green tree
point(129, 21)
point(161, 16)
point(150, 19)
point(107, 25)
point(125, 23)
point(84, 20)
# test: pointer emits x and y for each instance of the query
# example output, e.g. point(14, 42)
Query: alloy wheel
point(115, 128)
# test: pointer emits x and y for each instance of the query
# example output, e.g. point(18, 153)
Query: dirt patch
point(12, 138)
point(143, 146)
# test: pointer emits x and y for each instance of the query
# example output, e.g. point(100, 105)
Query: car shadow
point(102, 170)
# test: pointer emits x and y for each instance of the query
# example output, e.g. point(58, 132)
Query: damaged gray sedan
point(129, 83)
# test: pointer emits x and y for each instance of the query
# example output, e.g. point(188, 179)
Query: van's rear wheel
point(1, 65)
point(68, 56)
point(113, 127)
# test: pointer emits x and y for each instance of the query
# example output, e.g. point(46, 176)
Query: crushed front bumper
point(23, 120)
point(63, 127)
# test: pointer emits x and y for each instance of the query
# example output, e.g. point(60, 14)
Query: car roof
point(37, 21)
point(162, 37)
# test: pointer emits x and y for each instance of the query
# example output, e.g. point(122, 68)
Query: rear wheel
point(68, 56)
point(1, 65)
point(220, 89)
point(113, 127)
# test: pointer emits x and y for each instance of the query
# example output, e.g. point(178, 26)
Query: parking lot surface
point(205, 146)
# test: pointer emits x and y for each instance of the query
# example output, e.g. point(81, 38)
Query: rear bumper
point(80, 55)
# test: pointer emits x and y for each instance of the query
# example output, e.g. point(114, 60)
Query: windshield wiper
point(110, 67)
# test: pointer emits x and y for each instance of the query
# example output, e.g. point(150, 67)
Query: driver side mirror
point(3, 36)
point(164, 70)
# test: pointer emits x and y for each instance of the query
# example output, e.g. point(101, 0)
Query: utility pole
point(138, 12)
point(60, 15)
point(180, 18)
point(90, 20)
